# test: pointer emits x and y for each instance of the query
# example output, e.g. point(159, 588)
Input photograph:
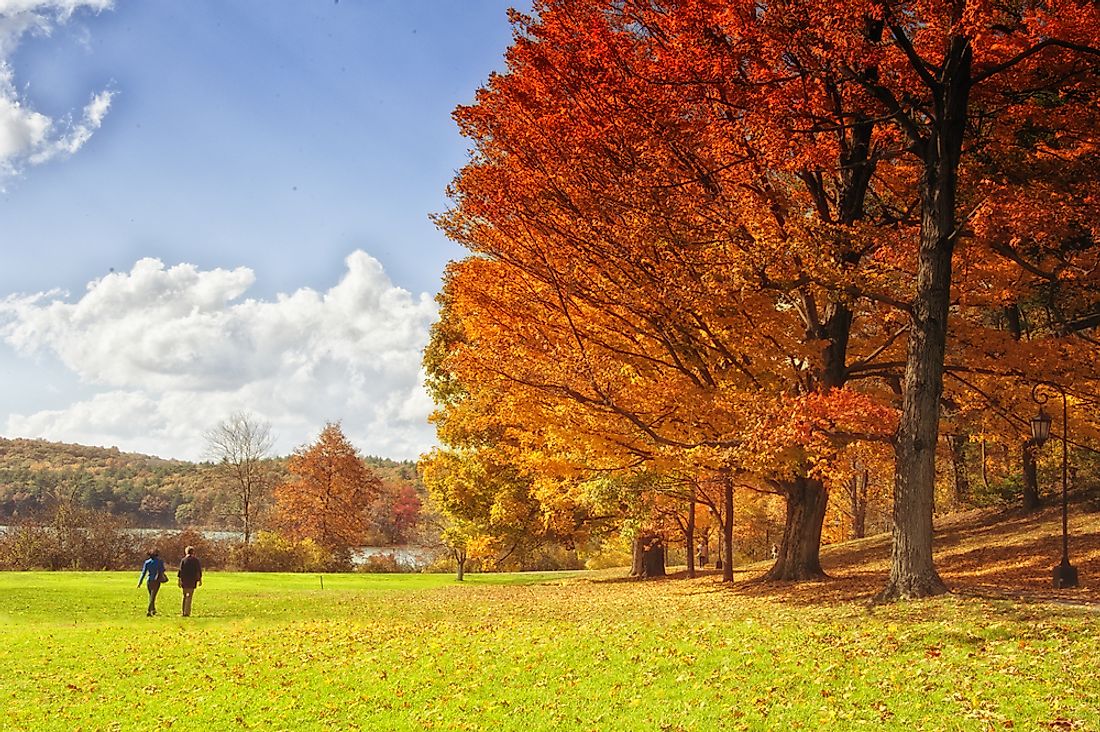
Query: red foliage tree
point(327, 494)
point(701, 222)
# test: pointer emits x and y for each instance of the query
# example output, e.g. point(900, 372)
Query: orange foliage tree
point(1028, 284)
point(327, 494)
point(664, 264)
point(660, 264)
point(719, 236)
point(959, 94)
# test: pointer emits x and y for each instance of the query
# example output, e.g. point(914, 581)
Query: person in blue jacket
point(154, 570)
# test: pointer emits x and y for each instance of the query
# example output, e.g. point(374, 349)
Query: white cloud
point(28, 137)
point(75, 134)
point(175, 349)
point(19, 17)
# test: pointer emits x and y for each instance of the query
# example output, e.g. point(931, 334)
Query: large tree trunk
point(912, 571)
point(460, 560)
point(649, 556)
point(1031, 477)
point(799, 555)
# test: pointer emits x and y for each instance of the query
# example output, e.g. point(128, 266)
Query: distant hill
point(35, 474)
point(396, 470)
point(142, 490)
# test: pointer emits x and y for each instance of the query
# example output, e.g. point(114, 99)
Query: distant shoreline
point(411, 555)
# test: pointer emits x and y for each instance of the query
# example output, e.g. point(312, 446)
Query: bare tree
point(239, 445)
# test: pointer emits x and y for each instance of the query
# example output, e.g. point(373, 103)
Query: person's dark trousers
point(154, 588)
point(188, 593)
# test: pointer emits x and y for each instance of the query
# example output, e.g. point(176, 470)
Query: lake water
point(413, 557)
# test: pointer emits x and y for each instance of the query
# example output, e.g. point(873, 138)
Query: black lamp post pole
point(1065, 574)
point(1065, 511)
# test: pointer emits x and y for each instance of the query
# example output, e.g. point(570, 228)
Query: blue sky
point(278, 162)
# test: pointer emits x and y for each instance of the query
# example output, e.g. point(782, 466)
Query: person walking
point(190, 577)
point(154, 570)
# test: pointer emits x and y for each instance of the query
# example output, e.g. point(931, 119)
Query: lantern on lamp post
point(1065, 574)
point(1040, 427)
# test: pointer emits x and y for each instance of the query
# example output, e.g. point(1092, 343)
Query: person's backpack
point(162, 576)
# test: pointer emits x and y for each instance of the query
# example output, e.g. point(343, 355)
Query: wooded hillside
point(142, 490)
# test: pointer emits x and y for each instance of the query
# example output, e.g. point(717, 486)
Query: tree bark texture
point(649, 556)
point(912, 571)
point(857, 492)
point(1028, 459)
point(460, 560)
point(799, 553)
point(958, 444)
point(1032, 501)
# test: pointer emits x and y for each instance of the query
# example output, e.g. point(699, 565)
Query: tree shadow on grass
point(982, 554)
point(859, 588)
point(678, 575)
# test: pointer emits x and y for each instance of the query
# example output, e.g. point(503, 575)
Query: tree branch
point(919, 65)
point(1022, 55)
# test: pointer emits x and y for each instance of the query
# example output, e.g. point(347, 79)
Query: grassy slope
point(533, 652)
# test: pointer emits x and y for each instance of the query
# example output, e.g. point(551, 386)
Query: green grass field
point(528, 652)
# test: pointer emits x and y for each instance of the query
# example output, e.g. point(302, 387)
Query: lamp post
point(1065, 574)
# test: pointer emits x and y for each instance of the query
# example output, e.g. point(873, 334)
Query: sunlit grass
point(528, 652)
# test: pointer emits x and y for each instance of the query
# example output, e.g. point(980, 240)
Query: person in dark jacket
point(190, 577)
point(154, 570)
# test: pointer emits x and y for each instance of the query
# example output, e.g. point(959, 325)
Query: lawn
point(558, 651)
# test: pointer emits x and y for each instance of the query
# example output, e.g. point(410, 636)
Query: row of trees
point(320, 503)
point(725, 248)
point(325, 492)
point(230, 490)
point(72, 537)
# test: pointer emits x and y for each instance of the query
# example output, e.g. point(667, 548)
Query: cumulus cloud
point(174, 349)
point(28, 137)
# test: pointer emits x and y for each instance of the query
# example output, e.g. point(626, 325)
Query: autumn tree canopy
point(327, 493)
point(670, 306)
point(721, 236)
